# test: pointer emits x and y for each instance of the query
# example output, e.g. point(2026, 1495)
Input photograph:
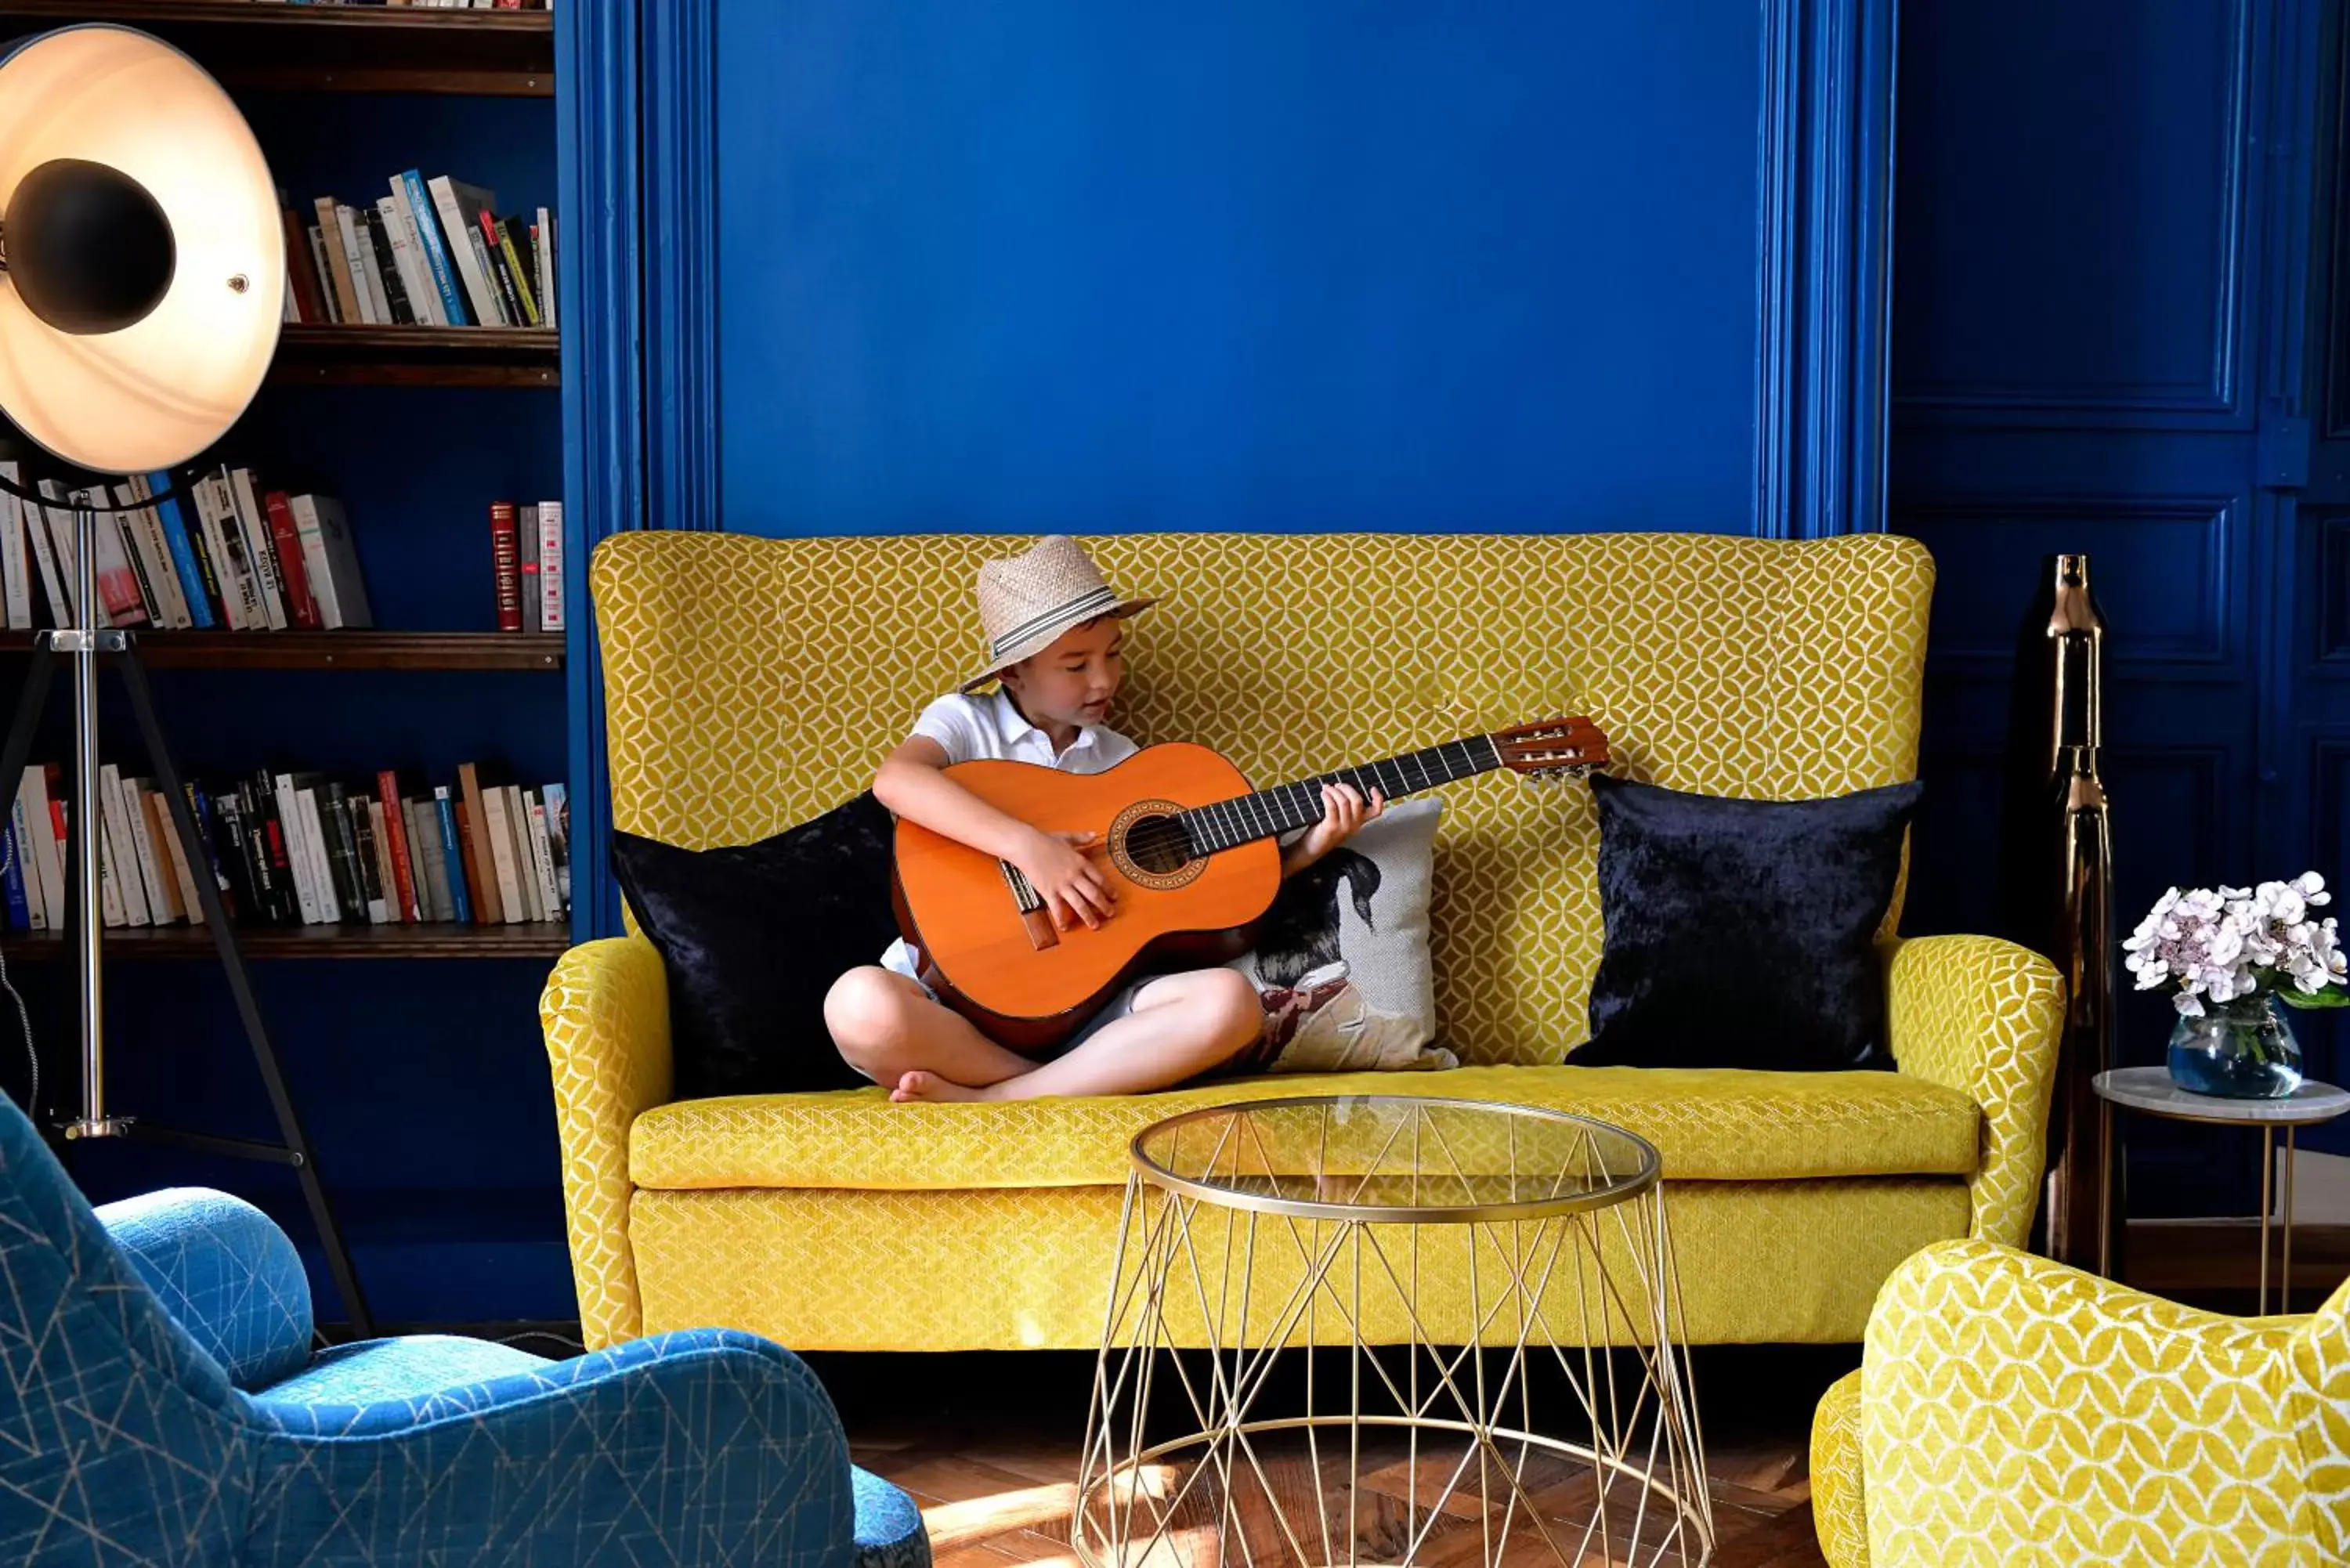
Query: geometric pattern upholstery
point(124, 1441)
point(1758, 1262)
point(750, 684)
point(1708, 1124)
point(225, 1273)
point(2012, 1410)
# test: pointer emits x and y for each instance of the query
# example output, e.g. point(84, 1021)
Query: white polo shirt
point(991, 729)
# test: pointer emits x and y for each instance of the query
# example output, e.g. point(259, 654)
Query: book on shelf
point(430, 252)
point(230, 551)
point(299, 847)
point(526, 565)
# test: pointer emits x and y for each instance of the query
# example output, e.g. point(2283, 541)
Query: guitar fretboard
point(1272, 812)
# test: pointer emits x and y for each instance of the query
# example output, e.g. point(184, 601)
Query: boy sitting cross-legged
point(1055, 635)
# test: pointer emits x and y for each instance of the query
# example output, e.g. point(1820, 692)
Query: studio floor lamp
point(142, 274)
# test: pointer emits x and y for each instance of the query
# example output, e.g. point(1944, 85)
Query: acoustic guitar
point(1186, 847)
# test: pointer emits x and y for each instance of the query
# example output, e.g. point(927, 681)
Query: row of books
point(300, 849)
point(430, 253)
point(526, 558)
point(229, 552)
point(442, 4)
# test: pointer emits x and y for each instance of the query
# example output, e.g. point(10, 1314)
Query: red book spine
point(286, 540)
point(505, 558)
point(395, 825)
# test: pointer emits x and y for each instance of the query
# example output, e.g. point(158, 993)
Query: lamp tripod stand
point(83, 645)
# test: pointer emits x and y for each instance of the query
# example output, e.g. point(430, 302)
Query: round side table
point(1389, 1231)
point(2151, 1091)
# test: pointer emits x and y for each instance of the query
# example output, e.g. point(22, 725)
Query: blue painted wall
point(2112, 334)
point(1222, 264)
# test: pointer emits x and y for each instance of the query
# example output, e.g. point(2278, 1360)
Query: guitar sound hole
point(1156, 845)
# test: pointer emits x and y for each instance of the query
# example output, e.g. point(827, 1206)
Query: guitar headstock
point(1552, 744)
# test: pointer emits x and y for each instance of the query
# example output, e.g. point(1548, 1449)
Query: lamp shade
point(123, 348)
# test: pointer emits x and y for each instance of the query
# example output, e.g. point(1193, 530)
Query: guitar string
point(1274, 809)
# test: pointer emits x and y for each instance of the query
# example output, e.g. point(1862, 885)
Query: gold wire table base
point(1206, 1299)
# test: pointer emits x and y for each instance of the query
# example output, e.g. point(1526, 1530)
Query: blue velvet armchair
point(162, 1404)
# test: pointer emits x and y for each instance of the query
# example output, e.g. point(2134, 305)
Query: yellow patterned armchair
point(751, 684)
point(2011, 1412)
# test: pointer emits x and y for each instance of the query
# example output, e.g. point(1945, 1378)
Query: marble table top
point(2150, 1089)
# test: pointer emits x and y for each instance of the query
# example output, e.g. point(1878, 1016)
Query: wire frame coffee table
point(1331, 1321)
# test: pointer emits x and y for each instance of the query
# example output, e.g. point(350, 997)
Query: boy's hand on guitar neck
point(1070, 883)
point(1344, 813)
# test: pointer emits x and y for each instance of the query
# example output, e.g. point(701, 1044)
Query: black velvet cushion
point(1741, 933)
point(753, 936)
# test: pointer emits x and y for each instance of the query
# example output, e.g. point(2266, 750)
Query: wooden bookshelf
point(311, 355)
point(270, 46)
point(337, 649)
point(526, 940)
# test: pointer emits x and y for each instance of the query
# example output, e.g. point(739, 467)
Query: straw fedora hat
point(1025, 601)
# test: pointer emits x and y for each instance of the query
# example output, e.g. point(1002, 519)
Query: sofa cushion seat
point(1708, 1124)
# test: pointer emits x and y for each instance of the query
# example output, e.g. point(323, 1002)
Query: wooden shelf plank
point(274, 46)
point(529, 939)
point(418, 356)
point(337, 649)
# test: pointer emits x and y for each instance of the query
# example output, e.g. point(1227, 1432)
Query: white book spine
point(431, 310)
point(488, 309)
point(60, 513)
point(322, 868)
point(184, 872)
point(298, 849)
point(146, 532)
point(153, 875)
point(542, 857)
point(37, 531)
point(403, 256)
point(353, 257)
point(15, 566)
point(237, 605)
point(253, 523)
point(37, 909)
point(315, 565)
point(47, 857)
point(121, 848)
point(543, 250)
point(550, 567)
point(526, 872)
point(342, 563)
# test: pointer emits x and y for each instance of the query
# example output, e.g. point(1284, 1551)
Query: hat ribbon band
point(1084, 606)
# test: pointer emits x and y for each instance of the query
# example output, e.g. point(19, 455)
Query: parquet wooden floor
point(989, 1446)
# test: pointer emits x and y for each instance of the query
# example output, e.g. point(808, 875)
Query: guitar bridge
point(1034, 915)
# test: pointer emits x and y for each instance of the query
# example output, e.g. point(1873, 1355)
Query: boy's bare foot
point(915, 1087)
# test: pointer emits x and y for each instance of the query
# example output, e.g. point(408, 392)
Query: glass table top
point(1396, 1159)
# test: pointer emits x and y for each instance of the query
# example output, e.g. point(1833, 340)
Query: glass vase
point(2239, 1049)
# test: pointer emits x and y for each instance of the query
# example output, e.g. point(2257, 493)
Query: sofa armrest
point(1984, 1017)
point(605, 1016)
point(224, 1272)
point(2045, 1416)
point(702, 1445)
point(1837, 1515)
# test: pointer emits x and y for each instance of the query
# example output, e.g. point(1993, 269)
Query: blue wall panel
point(2104, 305)
point(2071, 231)
point(1218, 264)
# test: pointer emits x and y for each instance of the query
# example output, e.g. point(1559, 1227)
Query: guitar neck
point(1270, 813)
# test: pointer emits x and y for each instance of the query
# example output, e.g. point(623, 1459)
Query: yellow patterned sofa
point(752, 683)
point(2013, 1413)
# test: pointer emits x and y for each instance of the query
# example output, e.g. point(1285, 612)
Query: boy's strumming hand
point(1072, 886)
point(1344, 813)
